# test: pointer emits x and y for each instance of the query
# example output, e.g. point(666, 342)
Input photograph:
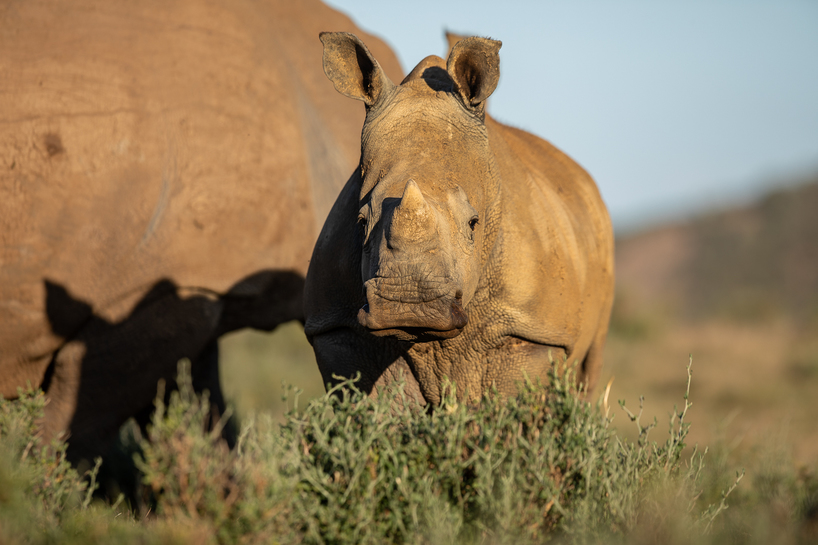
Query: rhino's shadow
point(108, 371)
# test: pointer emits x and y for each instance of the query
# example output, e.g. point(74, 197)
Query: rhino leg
point(61, 386)
point(380, 362)
point(205, 375)
point(503, 367)
point(534, 361)
point(592, 364)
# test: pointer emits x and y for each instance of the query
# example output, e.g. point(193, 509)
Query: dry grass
point(753, 382)
point(256, 364)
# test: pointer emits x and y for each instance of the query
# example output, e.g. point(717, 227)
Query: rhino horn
point(413, 220)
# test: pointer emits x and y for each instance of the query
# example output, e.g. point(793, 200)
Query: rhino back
point(556, 261)
point(188, 143)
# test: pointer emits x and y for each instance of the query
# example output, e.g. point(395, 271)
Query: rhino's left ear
point(352, 68)
point(474, 65)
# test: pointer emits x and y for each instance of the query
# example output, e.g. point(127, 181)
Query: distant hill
point(744, 263)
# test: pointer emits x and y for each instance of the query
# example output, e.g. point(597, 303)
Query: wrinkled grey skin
point(460, 248)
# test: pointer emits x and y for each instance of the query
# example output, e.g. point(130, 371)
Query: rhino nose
point(413, 220)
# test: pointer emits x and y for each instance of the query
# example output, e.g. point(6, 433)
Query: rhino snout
point(407, 318)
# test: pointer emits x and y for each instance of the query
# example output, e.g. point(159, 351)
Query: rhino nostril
point(365, 308)
point(458, 295)
point(458, 314)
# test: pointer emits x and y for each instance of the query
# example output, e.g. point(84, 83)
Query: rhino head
point(427, 183)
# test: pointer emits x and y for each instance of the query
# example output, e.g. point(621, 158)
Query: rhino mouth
point(416, 315)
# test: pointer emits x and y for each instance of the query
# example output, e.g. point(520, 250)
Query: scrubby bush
point(544, 466)
point(37, 484)
point(352, 469)
point(45, 500)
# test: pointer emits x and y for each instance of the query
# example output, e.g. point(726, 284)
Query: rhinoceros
point(165, 168)
point(460, 248)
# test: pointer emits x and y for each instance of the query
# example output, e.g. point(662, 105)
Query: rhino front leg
point(61, 385)
point(514, 360)
point(380, 362)
point(206, 377)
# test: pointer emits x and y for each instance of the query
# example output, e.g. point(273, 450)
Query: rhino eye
point(473, 223)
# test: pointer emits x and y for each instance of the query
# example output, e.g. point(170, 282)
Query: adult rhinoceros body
point(165, 168)
point(460, 247)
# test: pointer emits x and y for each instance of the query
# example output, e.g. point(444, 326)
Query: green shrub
point(542, 466)
point(36, 481)
point(352, 469)
point(45, 500)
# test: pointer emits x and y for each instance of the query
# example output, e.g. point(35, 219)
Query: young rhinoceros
point(460, 247)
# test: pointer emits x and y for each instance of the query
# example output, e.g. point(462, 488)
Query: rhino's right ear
point(352, 68)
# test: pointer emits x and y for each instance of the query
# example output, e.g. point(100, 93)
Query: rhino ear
point(352, 69)
point(474, 65)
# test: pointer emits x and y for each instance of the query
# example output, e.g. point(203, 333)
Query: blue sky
point(673, 106)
